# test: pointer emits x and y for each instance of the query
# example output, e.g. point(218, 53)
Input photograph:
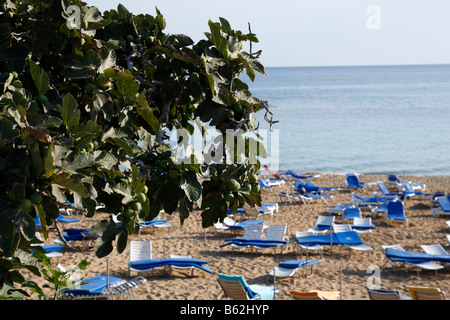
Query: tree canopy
point(86, 103)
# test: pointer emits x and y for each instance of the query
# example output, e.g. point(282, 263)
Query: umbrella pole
point(306, 262)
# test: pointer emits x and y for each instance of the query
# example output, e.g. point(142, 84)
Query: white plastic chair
point(139, 250)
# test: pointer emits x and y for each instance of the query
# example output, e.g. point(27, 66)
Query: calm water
point(370, 120)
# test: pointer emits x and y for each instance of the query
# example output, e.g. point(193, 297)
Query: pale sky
point(318, 32)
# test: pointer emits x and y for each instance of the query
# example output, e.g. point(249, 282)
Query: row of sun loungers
point(325, 232)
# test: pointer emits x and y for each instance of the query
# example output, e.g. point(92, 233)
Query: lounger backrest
point(412, 290)
point(444, 203)
point(325, 220)
point(433, 249)
point(429, 295)
point(353, 181)
point(394, 246)
point(359, 221)
point(299, 234)
point(140, 250)
point(393, 178)
point(235, 287)
point(311, 187)
point(276, 232)
point(382, 187)
point(341, 227)
point(395, 208)
point(297, 295)
point(253, 231)
point(383, 295)
point(409, 188)
point(351, 213)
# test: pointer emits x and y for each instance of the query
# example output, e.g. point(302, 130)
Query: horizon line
point(363, 65)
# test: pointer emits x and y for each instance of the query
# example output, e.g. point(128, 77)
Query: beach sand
point(356, 270)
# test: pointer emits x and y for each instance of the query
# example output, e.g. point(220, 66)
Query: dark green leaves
point(84, 108)
point(7, 132)
point(191, 186)
point(69, 111)
point(127, 86)
point(40, 77)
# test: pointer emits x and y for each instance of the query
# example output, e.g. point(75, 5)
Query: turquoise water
point(370, 120)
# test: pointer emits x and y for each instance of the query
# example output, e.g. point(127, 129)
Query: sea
point(360, 119)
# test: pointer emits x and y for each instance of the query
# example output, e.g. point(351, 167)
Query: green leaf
point(64, 180)
point(215, 209)
point(225, 25)
point(49, 167)
point(40, 77)
point(104, 246)
point(127, 85)
point(122, 241)
point(69, 111)
point(7, 133)
point(191, 186)
point(217, 38)
point(122, 144)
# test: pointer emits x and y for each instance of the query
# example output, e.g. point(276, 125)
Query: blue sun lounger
point(254, 242)
point(386, 192)
point(60, 218)
point(298, 176)
point(243, 224)
point(310, 196)
point(344, 238)
point(311, 187)
point(396, 255)
point(349, 239)
point(103, 287)
point(290, 268)
point(444, 206)
point(353, 182)
point(374, 201)
point(176, 262)
point(93, 286)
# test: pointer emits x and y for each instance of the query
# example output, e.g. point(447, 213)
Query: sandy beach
point(189, 239)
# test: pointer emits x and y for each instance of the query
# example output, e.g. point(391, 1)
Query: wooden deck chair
point(236, 288)
point(314, 295)
point(383, 294)
point(233, 290)
point(412, 290)
point(429, 295)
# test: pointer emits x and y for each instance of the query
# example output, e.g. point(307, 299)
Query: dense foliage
point(86, 104)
